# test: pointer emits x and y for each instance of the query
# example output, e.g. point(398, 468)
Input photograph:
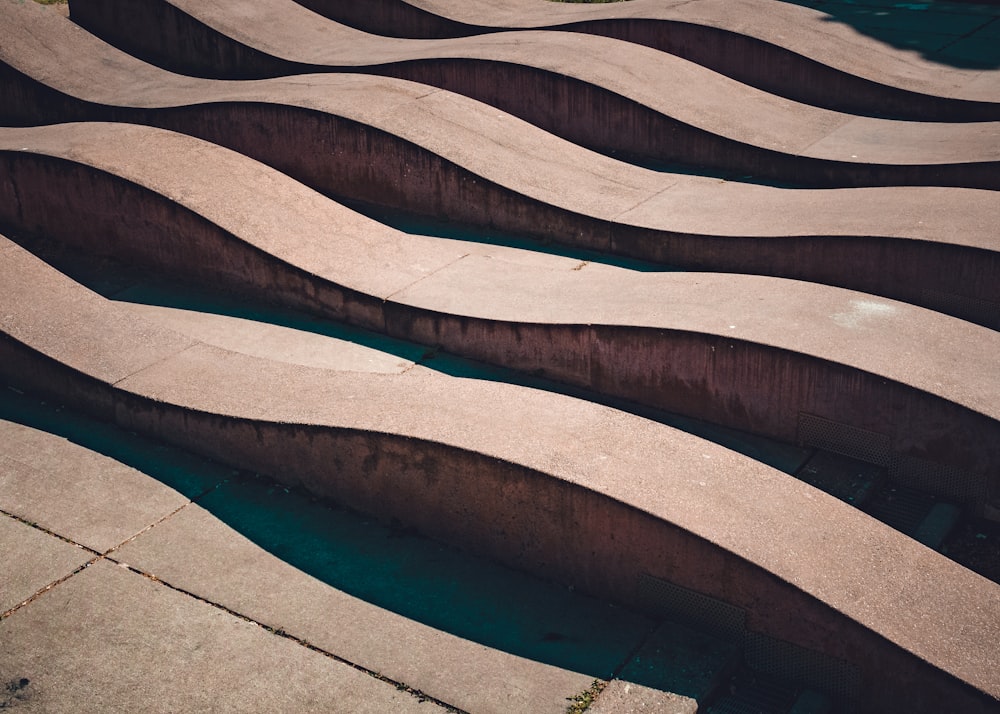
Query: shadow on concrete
point(426, 226)
point(958, 34)
point(396, 569)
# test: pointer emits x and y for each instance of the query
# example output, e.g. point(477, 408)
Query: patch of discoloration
point(863, 313)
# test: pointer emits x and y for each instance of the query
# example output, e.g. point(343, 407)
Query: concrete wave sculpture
point(787, 49)
point(859, 322)
point(406, 150)
point(611, 96)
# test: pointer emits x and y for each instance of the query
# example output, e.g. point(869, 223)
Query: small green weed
point(582, 701)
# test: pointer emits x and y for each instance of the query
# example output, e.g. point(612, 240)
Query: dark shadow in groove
point(959, 34)
point(385, 565)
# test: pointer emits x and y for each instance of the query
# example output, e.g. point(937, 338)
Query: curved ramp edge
point(753, 353)
point(566, 500)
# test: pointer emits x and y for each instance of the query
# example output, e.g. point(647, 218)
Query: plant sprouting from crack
point(582, 701)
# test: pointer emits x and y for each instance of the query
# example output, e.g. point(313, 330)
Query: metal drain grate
point(955, 483)
point(669, 600)
point(813, 669)
point(750, 694)
point(861, 444)
point(902, 508)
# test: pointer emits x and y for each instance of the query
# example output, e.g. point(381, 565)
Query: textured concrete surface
point(76, 493)
point(627, 698)
point(195, 551)
point(640, 102)
point(206, 380)
point(201, 559)
point(222, 566)
point(807, 32)
point(834, 353)
point(32, 560)
point(92, 643)
point(421, 160)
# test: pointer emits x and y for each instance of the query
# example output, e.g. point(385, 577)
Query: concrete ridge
point(924, 381)
point(796, 50)
point(182, 392)
point(641, 103)
point(414, 150)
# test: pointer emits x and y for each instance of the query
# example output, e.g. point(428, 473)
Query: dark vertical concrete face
point(580, 111)
point(172, 39)
point(786, 73)
point(393, 19)
point(353, 161)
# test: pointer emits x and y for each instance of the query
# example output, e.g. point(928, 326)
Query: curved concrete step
point(903, 387)
point(538, 492)
point(359, 591)
point(618, 98)
point(784, 49)
point(446, 156)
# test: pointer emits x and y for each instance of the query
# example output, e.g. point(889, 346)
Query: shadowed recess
point(387, 566)
point(959, 34)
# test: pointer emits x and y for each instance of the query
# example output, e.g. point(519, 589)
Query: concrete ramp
point(632, 312)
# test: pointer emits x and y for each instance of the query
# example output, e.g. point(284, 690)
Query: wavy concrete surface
point(436, 153)
point(610, 96)
point(744, 351)
point(570, 480)
point(782, 48)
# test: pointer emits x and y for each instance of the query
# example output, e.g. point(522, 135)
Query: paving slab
point(108, 639)
point(32, 560)
point(711, 120)
point(197, 550)
point(81, 495)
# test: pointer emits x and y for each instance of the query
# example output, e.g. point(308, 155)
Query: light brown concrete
point(32, 560)
point(804, 31)
point(86, 497)
point(531, 316)
point(275, 342)
point(628, 698)
point(191, 549)
point(670, 86)
point(870, 574)
point(195, 551)
point(111, 640)
point(450, 157)
point(680, 220)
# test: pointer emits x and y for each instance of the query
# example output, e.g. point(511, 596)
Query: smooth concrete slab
point(87, 497)
point(647, 78)
point(32, 560)
point(199, 552)
point(111, 640)
point(620, 697)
